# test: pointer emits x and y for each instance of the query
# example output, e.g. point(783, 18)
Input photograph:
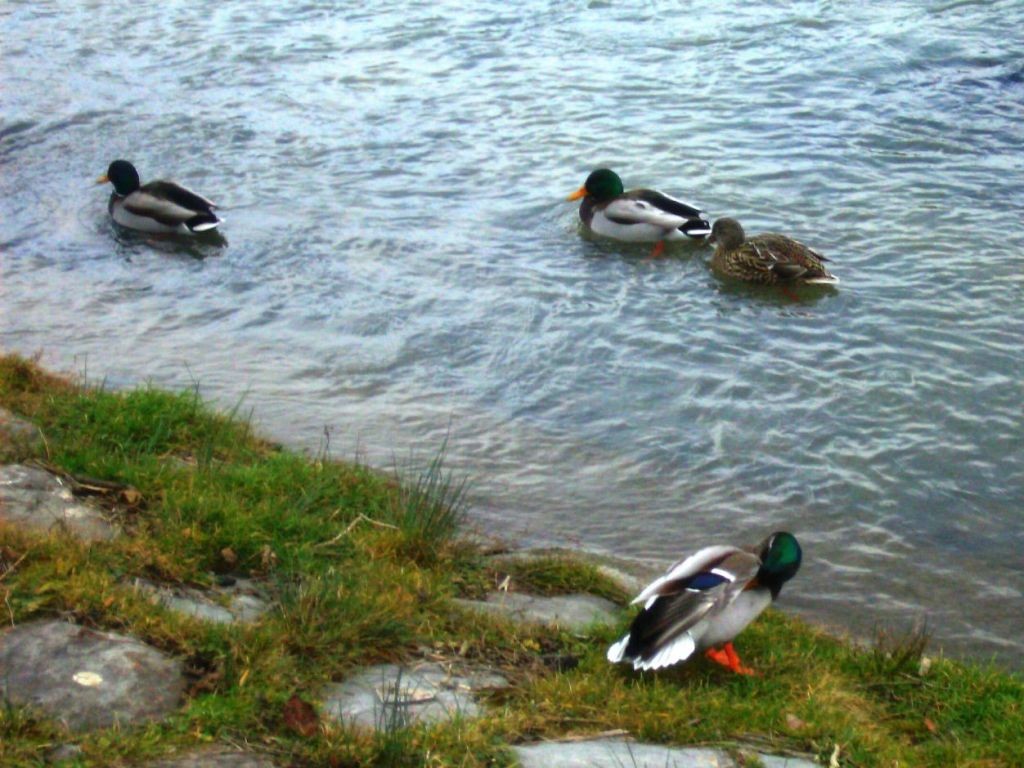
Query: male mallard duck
point(706, 600)
point(159, 206)
point(637, 216)
point(767, 258)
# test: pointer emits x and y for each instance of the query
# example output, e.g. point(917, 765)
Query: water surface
point(401, 265)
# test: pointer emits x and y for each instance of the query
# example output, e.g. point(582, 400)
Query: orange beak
point(581, 192)
point(103, 179)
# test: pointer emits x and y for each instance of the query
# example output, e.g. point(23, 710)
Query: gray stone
point(572, 612)
point(239, 602)
point(618, 753)
point(628, 574)
point(215, 757)
point(781, 761)
point(85, 678)
point(63, 753)
point(33, 498)
point(18, 437)
point(386, 697)
point(629, 583)
point(485, 543)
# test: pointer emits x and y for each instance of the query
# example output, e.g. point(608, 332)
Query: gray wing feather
point(699, 561)
point(625, 210)
point(162, 209)
point(674, 608)
point(178, 194)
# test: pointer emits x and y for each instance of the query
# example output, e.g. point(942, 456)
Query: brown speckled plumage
point(767, 259)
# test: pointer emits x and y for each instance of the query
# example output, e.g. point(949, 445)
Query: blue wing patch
point(705, 581)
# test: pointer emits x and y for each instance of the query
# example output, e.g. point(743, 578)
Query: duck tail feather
point(616, 651)
point(203, 222)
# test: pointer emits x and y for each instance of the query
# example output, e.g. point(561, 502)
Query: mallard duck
point(159, 206)
point(766, 259)
point(704, 601)
point(637, 216)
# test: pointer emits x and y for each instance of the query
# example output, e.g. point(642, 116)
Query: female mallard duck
point(706, 600)
point(159, 206)
point(766, 259)
point(637, 216)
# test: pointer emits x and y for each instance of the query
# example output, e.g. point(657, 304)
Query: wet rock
point(238, 601)
point(572, 612)
point(615, 753)
point(216, 757)
point(85, 678)
point(389, 696)
point(33, 498)
point(18, 437)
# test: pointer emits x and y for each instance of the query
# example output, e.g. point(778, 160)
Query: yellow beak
point(103, 179)
point(581, 192)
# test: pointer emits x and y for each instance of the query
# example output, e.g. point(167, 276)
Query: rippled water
point(401, 264)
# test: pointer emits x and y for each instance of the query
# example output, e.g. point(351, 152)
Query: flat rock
point(63, 753)
point(616, 753)
point(33, 498)
point(572, 612)
point(388, 695)
point(240, 601)
point(215, 757)
point(17, 436)
point(781, 761)
point(486, 543)
point(629, 574)
point(85, 678)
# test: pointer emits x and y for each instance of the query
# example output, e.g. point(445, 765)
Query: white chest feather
point(640, 232)
point(724, 626)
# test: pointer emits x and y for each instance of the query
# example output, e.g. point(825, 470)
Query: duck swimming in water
point(637, 216)
point(769, 259)
point(161, 207)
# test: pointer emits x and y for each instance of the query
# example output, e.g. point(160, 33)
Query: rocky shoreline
point(87, 679)
point(177, 591)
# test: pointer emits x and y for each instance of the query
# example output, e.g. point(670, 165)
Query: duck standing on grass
point(768, 259)
point(704, 601)
point(637, 216)
point(160, 207)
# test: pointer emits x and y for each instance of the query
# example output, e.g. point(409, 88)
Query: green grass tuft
point(428, 508)
point(896, 653)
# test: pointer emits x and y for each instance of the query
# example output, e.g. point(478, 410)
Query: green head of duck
point(780, 560)
point(123, 176)
point(603, 184)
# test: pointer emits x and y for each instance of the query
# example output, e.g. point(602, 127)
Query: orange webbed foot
point(789, 293)
point(734, 661)
point(659, 249)
point(718, 656)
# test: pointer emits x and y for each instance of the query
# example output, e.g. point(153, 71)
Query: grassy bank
point(363, 566)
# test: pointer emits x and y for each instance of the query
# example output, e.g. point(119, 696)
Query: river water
point(400, 263)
